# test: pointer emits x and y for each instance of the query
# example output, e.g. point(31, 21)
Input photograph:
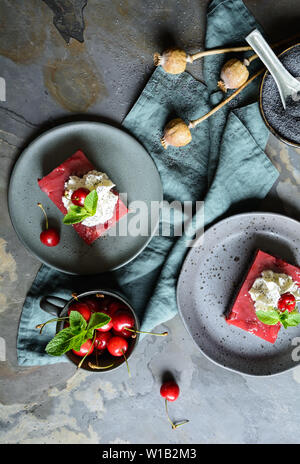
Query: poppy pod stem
point(174, 426)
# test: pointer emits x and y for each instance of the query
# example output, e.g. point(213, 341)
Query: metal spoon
point(288, 85)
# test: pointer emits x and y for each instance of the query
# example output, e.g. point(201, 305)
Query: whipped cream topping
point(268, 288)
point(106, 199)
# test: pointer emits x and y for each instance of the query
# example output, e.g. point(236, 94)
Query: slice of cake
point(269, 281)
point(77, 172)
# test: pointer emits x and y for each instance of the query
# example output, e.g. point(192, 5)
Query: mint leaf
point(64, 341)
point(73, 217)
point(293, 319)
point(270, 317)
point(90, 202)
point(97, 320)
point(77, 322)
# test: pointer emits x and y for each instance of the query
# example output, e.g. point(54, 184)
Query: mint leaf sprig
point(273, 316)
point(77, 214)
point(76, 334)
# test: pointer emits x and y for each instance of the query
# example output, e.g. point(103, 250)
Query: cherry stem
point(41, 326)
point(126, 363)
point(174, 426)
point(82, 361)
point(163, 334)
point(97, 364)
point(46, 217)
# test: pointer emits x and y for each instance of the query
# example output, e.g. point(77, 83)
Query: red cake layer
point(54, 185)
point(243, 313)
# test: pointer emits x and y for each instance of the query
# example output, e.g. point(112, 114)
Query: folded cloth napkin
point(224, 165)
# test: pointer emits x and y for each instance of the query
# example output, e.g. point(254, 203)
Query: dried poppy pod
point(173, 60)
point(176, 134)
point(233, 74)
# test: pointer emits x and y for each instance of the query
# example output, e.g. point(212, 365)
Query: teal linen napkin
point(224, 165)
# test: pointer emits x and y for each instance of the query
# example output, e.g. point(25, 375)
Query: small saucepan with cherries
point(97, 330)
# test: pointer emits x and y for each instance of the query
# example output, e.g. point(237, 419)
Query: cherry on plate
point(49, 237)
point(117, 346)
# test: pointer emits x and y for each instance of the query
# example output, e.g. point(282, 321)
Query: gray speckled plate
point(111, 150)
point(208, 281)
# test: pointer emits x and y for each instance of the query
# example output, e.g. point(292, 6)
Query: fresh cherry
point(79, 196)
point(170, 390)
point(82, 308)
point(49, 237)
point(106, 327)
point(101, 340)
point(287, 302)
point(122, 319)
point(117, 346)
point(124, 333)
point(86, 348)
point(92, 304)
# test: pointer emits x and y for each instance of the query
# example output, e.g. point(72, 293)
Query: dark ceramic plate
point(209, 278)
point(112, 151)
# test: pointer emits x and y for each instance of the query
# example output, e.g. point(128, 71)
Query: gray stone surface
point(46, 404)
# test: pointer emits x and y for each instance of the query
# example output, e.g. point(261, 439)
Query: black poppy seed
point(285, 122)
